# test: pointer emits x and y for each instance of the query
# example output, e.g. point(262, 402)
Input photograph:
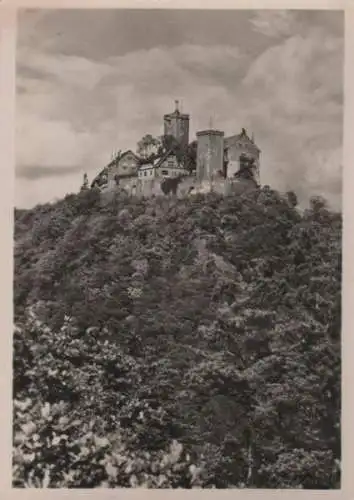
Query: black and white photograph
point(177, 275)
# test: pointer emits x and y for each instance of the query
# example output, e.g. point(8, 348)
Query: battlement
point(176, 124)
point(210, 132)
point(176, 114)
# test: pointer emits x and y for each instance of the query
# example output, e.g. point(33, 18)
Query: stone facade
point(166, 166)
point(210, 154)
point(237, 145)
point(176, 124)
point(170, 167)
point(126, 165)
point(188, 186)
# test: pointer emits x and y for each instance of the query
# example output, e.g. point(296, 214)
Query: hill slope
point(192, 342)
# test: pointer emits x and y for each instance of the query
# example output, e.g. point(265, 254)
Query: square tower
point(210, 154)
point(177, 125)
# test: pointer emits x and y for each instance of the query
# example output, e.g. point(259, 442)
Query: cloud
point(275, 23)
point(74, 111)
point(100, 33)
point(295, 99)
point(33, 172)
point(77, 113)
point(41, 141)
point(70, 70)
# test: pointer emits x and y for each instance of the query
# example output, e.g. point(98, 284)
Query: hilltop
point(172, 342)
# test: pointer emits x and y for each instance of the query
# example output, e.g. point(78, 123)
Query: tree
point(247, 167)
point(169, 142)
point(214, 321)
point(148, 146)
point(292, 198)
point(170, 185)
point(191, 156)
point(187, 155)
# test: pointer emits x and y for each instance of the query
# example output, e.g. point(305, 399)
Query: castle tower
point(177, 125)
point(210, 154)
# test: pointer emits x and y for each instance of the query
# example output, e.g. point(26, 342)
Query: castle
point(211, 162)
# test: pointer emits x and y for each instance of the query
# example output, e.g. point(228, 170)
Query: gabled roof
point(146, 166)
point(113, 163)
point(156, 162)
point(116, 160)
point(168, 153)
point(242, 137)
point(129, 151)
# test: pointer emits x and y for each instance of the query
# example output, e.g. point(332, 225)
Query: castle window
point(145, 173)
point(164, 172)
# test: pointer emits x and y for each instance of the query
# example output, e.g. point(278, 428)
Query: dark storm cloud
point(34, 172)
point(117, 32)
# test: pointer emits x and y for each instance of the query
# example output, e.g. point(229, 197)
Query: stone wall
point(148, 187)
point(225, 187)
point(177, 125)
point(188, 186)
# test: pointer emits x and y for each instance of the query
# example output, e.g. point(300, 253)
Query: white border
point(7, 110)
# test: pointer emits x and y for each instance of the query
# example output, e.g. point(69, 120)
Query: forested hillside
point(171, 343)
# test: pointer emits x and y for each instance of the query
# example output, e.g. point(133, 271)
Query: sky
point(91, 82)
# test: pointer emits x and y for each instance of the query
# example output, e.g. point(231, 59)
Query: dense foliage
point(177, 343)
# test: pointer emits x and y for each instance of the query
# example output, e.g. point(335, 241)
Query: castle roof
point(242, 137)
point(147, 166)
point(168, 153)
point(210, 132)
point(118, 158)
point(112, 164)
point(158, 160)
point(176, 113)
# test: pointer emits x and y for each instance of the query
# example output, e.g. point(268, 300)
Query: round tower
point(210, 154)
